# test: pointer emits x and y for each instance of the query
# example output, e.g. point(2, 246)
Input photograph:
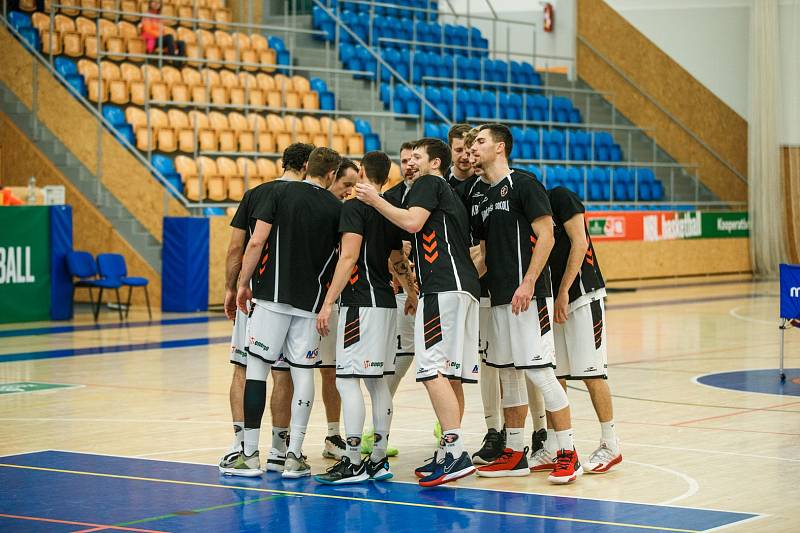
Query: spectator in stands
point(154, 36)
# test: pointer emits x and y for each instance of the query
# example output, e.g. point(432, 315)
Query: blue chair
point(112, 267)
point(166, 167)
point(116, 117)
point(432, 130)
point(31, 38)
point(81, 265)
point(645, 175)
point(19, 20)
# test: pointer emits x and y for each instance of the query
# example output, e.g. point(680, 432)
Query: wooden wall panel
point(790, 166)
point(16, 67)
point(91, 230)
point(219, 231)
point(677, 91)
point(624, 260)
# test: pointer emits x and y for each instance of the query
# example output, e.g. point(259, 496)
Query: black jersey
point(300, 256)
point(507, 213)
point(441, 247)
point(370, 281)
point(476, 196)
point(462, 187)
point(566, 204)
point(244, 218)
point(397, 195)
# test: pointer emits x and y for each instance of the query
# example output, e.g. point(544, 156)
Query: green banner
point(725, 224)
point(24, 263)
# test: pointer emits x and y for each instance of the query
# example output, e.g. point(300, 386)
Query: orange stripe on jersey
point(431, 320)
point(429, 237)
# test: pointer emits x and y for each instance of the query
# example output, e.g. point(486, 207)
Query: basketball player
point(295, 159)
point(580, 333)
point(445, 332)
point(334, 446)
point(366, 326)
point(517, 237)
point(292, 250)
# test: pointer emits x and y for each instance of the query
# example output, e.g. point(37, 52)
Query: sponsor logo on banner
point(672, 226)
point(612, 227)
point(652, 226)
point(15, 265)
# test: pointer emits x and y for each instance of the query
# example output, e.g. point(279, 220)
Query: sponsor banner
point(666, 225)
point(24, 263)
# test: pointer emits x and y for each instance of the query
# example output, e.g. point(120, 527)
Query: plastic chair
point(112, 267)
point(81, 265)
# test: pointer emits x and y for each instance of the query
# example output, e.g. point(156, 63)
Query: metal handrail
point(560, 125)
point(524, 86)
point(595, 163)
point(661, 108)
point(280, 110)
point(494, 51)
point(430, 10)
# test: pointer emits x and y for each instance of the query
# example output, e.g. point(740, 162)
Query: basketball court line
point(52, 330)
point(94, 527)
point(546, 517)
point(734, 312)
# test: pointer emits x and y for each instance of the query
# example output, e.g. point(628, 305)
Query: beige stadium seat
point(186, 167)
point(222, 15)
point(92, 4)
point(132, 10)
point(108, 6)
point(40, 21)
point(354, 141)
point(253, 93)
point(231, 82)
point(394, 176)
point(244, 135)
point(209, 48)
point(169, 10)
point(215, 183)
point(266, 55)
point(313, 129)
point(226, 45)
point(85, 27)
point(130, 73)
point(70, 7)
point(205, 14)
point(330, 129)
point(246, 52)
point(249, 172)
point(226, 137)
point(266, 169)
point(265, 139)
point(185, 11)
point(206, 136)
point(165, 136)
point(72, 44)
point(27, 5)
point(219, 93)
point(145, 137)
point(179, 122)
point(229, 171)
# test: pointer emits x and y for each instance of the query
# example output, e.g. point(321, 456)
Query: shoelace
point(564, 460)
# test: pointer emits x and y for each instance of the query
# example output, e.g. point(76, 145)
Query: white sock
point(453, 442)
point(515, 438)
point(238, 436)
point(564, 439)
point(353, 448)
point(251, 440)
point(279, 438)
point(333, 429)
point(551, 444)
point(297, 435)
point(608, 434)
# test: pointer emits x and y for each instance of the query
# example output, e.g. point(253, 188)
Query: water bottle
point(31, 200)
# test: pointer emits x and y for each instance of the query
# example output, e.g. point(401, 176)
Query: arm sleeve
point(565, 204)
point(533, 200)
point(240, 219)
point(351, 219)
point(425, 193)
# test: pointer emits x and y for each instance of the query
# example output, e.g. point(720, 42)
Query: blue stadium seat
point(115, 116)
point(432, 130)
point(386, 94)
point(514, 109)
point(31, 37)
point(615, 153)
point(433, 96)
point(19, 20)
point(69, 70)
point(165, 166)
point(446, 102)
point(645, 175)
point(371, 140)
point(488, 104)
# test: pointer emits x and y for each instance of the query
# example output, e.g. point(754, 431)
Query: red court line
point(94, 527)
point(741, 412)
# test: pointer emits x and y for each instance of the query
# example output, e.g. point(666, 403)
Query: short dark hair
point(376, 166)
point(408, 145)
point(457, 131)
point(435, 149)
point(322, 160)
point(296, 155)
point(500, 133)
point(344, 165)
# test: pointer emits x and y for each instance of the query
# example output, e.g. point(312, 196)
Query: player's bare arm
point(478, 255)
point(410, 220)
point(543, 229)
point(576, 231)
point(348, 255)
point(233, 264)
point(400, 265)
point(251, 255)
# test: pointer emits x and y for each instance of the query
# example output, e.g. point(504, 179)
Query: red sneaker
point(509, 464)
point(567, 469)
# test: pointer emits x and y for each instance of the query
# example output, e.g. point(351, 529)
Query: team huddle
point(467, 267)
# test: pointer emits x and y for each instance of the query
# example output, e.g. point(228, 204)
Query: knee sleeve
point(303, 397)
point(555, 399)
point(514, 392)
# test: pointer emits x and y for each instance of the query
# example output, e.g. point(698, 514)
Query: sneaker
point(603, 459)
point(493, 445)
point(275, 460)
point(539, 438)
point(426, 469)
point(568, 468)
point(228, 460)
point(509, 464)
point(344, 472)
point(334, 448)
point(296, 467)
point(542, 461)
point(449, 469)
point(244, 466)
point(379, 470)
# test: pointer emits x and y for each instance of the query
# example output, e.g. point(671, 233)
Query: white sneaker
point(276, 460)
point(244, 466)
point(542, 460)
point(334, 448)
point(229, 459)
point(603, 459)
point(296, 466)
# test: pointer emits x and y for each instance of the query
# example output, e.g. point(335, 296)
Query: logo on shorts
point(422, 370)
point(373, 364)
point(311, 354)
point(590, 369)
point(475, 369)
point(259, 344)
point(452, 364)
point(504, 191)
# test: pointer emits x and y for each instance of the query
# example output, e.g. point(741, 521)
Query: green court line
point(198, 511)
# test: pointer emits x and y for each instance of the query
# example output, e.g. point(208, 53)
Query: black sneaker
point(334, 447)
point(426, 469)
point(379, 470)
point(539, 437)
point(493, 446)
point(344, 472)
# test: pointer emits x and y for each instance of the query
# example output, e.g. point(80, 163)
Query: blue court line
point(765, 381)
point(104, 350)
point(111, 325)
point(126, 490)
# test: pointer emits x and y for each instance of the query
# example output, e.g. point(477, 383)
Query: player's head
point(459, 155)
point(346, 179)
point(493, 142)
point(375, 167)
point(295, 157)
point(431, 156)
point(323, 163)
point(469, 144)
point(406, 153)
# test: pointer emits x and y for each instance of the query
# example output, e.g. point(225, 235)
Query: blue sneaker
point(448, 470)
point(428, 468)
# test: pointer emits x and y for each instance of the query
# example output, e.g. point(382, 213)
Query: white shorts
point(524, 340)
point(327, 345)
point(365, 342)
point(484, 330)
point(272, 334)
point(404, 345)
point(446, 337)
point(239, 340)
point(581, 343)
